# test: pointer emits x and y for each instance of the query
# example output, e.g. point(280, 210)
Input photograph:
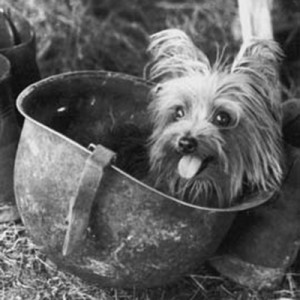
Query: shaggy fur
point(216, 128)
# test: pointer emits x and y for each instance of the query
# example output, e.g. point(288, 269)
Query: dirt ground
point(112, 35)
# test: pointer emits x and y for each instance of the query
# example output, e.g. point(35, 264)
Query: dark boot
point(9, 138)
point(263, 242)
point(18, 69)
point(18, 45)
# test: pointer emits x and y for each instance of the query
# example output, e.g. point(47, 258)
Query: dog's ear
point(173, 54)
point(261, 59)
point(257, 65)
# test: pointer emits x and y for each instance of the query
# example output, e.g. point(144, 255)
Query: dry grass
point(112, 35)
point(25, 273)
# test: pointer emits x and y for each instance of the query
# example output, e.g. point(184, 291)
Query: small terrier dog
point(216, 129)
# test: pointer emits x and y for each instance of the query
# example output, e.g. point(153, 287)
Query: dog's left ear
point(173, 54)
point(261, 59)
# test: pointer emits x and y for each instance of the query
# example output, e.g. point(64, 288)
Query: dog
point(216, 129)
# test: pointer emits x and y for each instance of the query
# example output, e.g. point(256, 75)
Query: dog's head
point(216, 129)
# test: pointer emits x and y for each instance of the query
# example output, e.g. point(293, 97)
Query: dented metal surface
point(135, 235)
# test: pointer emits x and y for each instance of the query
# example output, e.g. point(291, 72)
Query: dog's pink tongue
point(188, 166)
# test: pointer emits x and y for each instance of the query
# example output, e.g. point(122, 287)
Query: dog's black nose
point(187, 145)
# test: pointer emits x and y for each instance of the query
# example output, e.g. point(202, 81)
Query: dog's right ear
point(260, 58)
point(173, 54)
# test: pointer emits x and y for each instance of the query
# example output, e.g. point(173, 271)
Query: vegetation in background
point(113, 35)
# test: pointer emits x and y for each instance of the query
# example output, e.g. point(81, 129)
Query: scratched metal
point(136, 236)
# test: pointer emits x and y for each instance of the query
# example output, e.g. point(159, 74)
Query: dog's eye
point(222, 119)
point(179, 113)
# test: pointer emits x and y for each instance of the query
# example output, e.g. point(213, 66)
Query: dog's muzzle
point(187, 145)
